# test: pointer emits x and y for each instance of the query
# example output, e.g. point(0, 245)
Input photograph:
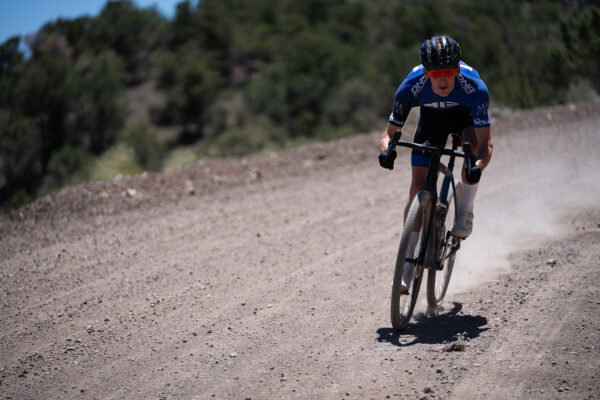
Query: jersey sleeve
point(405, 99)
point(477, 97)
point(479, 111)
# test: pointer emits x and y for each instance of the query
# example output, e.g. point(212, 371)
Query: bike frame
point(431, 195)
point(429, 224)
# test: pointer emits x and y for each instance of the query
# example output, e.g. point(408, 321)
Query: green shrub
point(67, 166)
point(18, 199)
point(180, 157)
point(326, 132)
point(10, 54)
point(581, 91)
point(120, 159)
point(167, 64)
point(354, 103)
point(267, 94)
point(41, 93)
point(196, 87)
point(149, 151)
point(20, 155)
point(259, 136)
point(97, 113)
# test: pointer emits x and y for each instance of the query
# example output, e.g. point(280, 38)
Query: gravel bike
point(431, 215)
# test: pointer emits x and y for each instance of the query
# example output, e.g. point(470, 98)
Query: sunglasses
point(438, 73)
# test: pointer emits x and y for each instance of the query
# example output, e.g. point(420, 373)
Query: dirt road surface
point(269, 277)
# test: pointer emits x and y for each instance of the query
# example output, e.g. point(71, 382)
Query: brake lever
point(468, 150)
point(396, 137)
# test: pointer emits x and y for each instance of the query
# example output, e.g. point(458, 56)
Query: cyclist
point(452, 98)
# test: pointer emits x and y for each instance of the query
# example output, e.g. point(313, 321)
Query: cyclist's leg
point(419, 174)
point(419, 167)
point(435, 124)
point(464, 220)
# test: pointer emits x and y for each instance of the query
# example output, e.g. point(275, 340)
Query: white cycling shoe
point(463, 226)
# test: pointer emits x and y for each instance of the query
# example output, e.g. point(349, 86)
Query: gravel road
point(269, 277)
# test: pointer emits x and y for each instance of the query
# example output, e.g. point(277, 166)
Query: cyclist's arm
point(404, 100)
point(484, 146)
point(386, 136)
point(483, 138)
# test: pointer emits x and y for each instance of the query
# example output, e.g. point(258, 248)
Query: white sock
point(412, 244)
point(468, 195)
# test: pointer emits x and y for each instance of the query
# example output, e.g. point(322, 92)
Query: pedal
point(436, 267)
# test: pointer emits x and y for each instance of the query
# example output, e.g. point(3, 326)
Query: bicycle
point(429, 214)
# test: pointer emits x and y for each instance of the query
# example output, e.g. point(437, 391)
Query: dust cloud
point(533, 182)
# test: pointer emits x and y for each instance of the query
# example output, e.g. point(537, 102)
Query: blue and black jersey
point(470, 92)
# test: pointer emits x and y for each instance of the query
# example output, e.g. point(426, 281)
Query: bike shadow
point(444, 328)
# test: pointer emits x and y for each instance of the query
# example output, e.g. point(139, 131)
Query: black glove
point(475, 174)
point(387, 160)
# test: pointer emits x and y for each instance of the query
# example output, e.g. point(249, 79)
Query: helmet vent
point(440, 52)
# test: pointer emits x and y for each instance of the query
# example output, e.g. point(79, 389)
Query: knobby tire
point(437, 281)
point(403, 305)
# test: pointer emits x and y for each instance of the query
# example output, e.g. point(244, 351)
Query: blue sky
point(20, 17)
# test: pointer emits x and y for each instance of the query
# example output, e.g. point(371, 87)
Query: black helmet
point(440, 52)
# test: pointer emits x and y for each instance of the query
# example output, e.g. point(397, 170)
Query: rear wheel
point(403, 304)
point(437, 281)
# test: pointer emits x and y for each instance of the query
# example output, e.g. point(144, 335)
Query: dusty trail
point(273, 279)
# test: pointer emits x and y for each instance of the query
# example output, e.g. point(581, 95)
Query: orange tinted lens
point(438, 73)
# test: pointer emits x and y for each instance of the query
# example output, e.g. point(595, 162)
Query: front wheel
point(403, 304)
point(437, 281)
